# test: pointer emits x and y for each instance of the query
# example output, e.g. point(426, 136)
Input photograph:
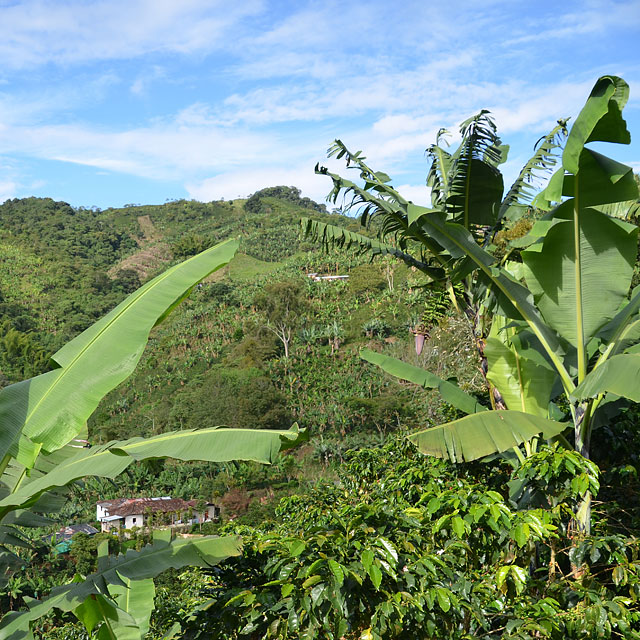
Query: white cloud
point(44, 103)
point(200, 140)
point(594, 18)
point(36, 32)
point(242, 183)
point(418, 194)
point(167, 150)
point(8, 189)
point(399, 124)
point(525, 111)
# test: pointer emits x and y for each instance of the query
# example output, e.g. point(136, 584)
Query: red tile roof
point(133, 506)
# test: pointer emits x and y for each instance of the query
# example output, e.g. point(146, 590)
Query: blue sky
point(139, 101)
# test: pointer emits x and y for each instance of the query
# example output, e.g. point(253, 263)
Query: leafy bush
point(376, 328)
point(292, 194)
point(408, 546)
point(189, 245)
point(234, 398)
point(366, 279)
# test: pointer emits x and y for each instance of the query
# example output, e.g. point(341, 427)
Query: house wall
point(101, 512)
point(108, 525)
point(135, 520)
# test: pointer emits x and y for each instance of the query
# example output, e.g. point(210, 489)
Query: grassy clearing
point(244, 267)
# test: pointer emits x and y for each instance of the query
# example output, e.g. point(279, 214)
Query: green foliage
point(480, 552)
point(409, 545)
point(235, 398)
point(44, 420)
point(20, 354)
point(274, 244)
point(98, 600)
point(538, 322)
point(84, 550)
point(76, 233)
point(376, 328)
point(381, 411)
point(366, 279)
point(189, 245)
point(282, 302)
point(256, 204)
point(284, 306)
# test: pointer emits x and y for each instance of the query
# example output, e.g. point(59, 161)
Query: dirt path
point(153, 252)
point(149, 232)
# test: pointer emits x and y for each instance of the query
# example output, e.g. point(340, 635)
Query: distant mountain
point(63, 267)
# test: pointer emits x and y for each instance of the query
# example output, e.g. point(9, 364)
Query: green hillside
point(64, 268)
point(67, 267)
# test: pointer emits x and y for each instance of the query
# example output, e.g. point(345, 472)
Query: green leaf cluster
point(409, 545)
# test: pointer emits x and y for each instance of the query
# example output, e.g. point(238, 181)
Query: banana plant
point(43, 448)
point(116, 602)
point(558, 317)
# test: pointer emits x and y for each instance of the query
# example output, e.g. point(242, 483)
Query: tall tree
point(284, 306)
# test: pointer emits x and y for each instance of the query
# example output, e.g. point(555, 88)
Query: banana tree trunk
point(582, 430)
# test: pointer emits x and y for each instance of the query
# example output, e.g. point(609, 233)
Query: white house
point(126, 513)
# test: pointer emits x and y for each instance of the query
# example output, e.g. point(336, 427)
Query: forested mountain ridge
point(218, 359)
point(65, 267)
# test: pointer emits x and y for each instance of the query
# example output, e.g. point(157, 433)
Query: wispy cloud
point(38, 32)
point(594, 17)
point(234, 184)
point(166, 150)
point(144, 80)
point(8, 189)
point(231, 97)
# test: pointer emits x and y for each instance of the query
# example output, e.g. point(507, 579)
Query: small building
point(316, 277)
point(61, 539)
point(127, 513)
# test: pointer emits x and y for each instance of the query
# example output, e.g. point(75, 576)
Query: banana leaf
point(216, 444)
point(600, 120)
point(117, 624)
point(459, 242)
point(136, 598)
point(619, 375)
point(330, 235)
point(579, 287)
point(522, 191)
point(52, 408)
point(481, 434)
point(137, 565)
point(475, 185)
point(450, 392)
point(524, 384)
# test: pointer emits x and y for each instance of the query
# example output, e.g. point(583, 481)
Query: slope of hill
point(219, 358)
point(63, 268)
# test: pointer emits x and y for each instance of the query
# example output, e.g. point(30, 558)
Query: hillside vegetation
point(218, 358)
